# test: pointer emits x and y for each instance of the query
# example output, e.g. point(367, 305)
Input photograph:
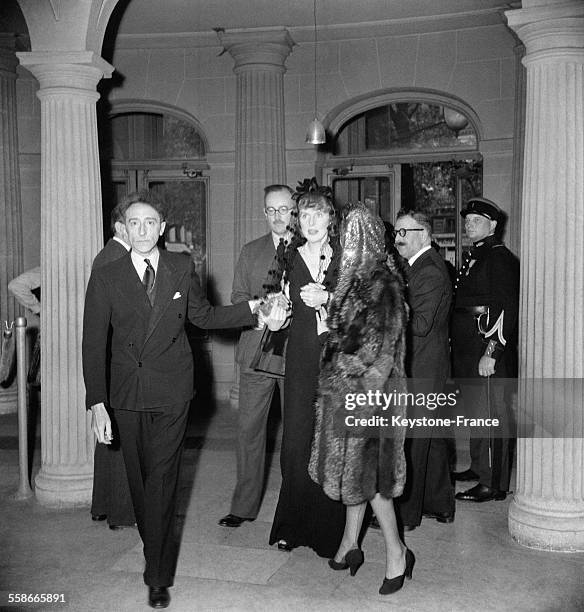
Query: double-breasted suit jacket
point(151, 360)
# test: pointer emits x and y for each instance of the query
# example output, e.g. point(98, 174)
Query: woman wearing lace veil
point(364, 352)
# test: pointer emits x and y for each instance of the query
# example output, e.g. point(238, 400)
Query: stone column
point(514, 237)
point(10, 212)
point(260, 146)
point(71, 235)
point(548, 508)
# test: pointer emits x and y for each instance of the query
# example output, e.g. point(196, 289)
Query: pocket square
point(176, 295)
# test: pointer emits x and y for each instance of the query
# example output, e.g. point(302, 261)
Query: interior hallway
point(470, 565)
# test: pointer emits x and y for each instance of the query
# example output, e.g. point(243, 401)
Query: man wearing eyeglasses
point(256, 274)
point(428, 491)
point(484, 346)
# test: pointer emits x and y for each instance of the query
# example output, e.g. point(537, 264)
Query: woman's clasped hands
point(314, 295)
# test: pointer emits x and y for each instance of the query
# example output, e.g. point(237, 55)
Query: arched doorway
point(410, 150)
point(157, 150)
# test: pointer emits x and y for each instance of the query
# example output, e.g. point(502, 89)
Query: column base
point(63, 490)
point(537, 523)
point(9, 399)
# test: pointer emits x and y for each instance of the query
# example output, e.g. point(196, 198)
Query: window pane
point(433, 187)
point(373, 191)
point(149, 136)
point(401, 126)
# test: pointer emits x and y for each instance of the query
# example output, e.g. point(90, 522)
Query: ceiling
point(171, 16)
point(138, 19)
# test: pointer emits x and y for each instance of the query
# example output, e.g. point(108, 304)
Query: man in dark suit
point(111, 497)
point(256, 274)
point(428, 489)
point(147, 296)
point(484, 346)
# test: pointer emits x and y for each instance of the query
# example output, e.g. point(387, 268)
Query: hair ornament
point(311, 186)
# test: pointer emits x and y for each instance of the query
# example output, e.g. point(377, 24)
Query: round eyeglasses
point(283, 210)
point(402, 231)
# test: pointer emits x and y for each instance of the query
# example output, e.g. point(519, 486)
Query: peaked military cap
point(484, 207)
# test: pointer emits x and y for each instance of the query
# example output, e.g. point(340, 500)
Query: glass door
point(439, 188)
point(378, 187)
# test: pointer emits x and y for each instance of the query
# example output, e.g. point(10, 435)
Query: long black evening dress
point(305, 516)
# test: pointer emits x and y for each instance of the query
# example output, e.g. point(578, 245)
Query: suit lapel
point(130, 286)
point(268, 251)
point(166, 281)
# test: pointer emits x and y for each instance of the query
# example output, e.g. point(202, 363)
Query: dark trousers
point(489, 451)
point(111, 491)
point(490, 455)
point(428, 487)
point(255, 398)
point(152, 443)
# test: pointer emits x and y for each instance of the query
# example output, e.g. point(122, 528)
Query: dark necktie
point(148, 278)
point(275, 271)
point(281, 248)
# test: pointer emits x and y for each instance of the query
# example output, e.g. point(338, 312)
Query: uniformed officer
point(484, 344)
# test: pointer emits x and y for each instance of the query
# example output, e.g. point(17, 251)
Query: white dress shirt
point(140, 263)
point(411, 260)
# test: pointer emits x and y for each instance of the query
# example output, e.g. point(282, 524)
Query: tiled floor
point(470, 565)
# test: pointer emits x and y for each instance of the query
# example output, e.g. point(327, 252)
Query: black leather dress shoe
point(441, 517)
point(481, 493)
point(98, 517)
point(232, 520)
point(465, 476)
point(285, 546)
point(115, 527)
point(158, 597)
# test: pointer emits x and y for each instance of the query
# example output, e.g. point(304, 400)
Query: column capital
point(252, 49)
point(551, 31)
point(66, 69)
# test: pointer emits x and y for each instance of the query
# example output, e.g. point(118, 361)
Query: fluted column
point(71, 235)
point(10, 212)
point(548, 508)
point(260, 153)
point(260, 144)
point(514, 237)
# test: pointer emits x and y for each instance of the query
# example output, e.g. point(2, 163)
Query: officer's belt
point(473, 310)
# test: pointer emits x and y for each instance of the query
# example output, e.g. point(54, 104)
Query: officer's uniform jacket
point(488, 281)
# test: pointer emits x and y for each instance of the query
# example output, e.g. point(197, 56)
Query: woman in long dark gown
point(305, 516)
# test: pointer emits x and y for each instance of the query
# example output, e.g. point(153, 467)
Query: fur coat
point(364, 352)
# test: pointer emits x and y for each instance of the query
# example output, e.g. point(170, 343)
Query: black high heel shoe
point(391, 585)
point(353, 560)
